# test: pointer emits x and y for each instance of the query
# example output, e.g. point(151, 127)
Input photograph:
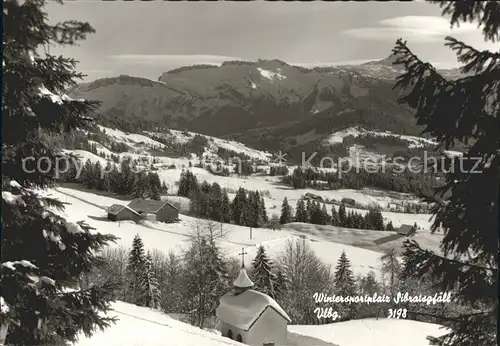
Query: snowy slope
point(184, 136)
point(130, 138)
point(139, 326)
point(372, 332)
point(413, 141)
point(175, 237)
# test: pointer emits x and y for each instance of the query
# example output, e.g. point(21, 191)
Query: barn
point(119, 212)
point(251, 317)
point(407, 230)
point(162, 211)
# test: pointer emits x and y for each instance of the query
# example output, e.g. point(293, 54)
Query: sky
point(145, 39)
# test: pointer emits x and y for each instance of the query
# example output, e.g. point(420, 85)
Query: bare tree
point(306, 275)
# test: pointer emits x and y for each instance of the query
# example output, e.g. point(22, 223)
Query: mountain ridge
point(255, 102)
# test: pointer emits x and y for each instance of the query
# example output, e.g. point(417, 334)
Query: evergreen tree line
point(405, 182)
point(212, 202)
point(124, 181)
point(315, 213)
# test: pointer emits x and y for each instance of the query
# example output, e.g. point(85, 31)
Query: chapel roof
point(244, 309)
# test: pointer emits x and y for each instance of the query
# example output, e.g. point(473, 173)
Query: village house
point(143, 209)
point(407, 230)
point(251, 317)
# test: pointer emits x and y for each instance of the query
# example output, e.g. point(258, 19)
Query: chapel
point(251, 317)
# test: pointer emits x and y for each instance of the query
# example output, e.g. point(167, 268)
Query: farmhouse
point(119, 212)
point(162, 211)
point(251, 317)
point(407, 230)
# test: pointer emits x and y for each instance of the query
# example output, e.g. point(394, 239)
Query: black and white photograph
point(263, 173)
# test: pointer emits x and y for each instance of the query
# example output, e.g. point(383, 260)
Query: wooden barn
point(407, 230)
point(119, 212)
point(162, 211)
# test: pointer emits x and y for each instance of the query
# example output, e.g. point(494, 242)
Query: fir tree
point(466, 208)
point(301, 212)
point(149, 285)
point(141, 185)
point(225, 208)
point(239, 202)
point(391, 270)
point(262, 273)
point(265, 218)
point(316, 214)
point(98, 176)
point(136, 270)
point(309, 209)
point(335, 217)
point(42, 253)
point(326, 219)
point(342, 216)
point(345, 285)
point(187, 184)
point(281, 284)
point(389, 227)
point(286, 213)
point(155, 186)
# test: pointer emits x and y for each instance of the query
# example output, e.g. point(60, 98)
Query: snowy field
point(140, 326)
point(372, 332)
point(175, 237)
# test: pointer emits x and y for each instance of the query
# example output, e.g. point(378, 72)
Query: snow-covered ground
point(170, 169)
point(175, 237)
point(139, 326)
point(130, 138)
point(372, 332)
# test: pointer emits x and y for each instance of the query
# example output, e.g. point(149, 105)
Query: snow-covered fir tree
point(391, 271)
point(262, 273)
point(286, 212)
point(301, 212)
point(149, 285)
point(335, 217)
point(42, 253)
point(135, 271)
point(345, 286)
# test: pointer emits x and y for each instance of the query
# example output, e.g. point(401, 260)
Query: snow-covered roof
point(116, 208)
point(244, 309)
point(243, 281)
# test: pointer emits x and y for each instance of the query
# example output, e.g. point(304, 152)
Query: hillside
point(263, 102)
